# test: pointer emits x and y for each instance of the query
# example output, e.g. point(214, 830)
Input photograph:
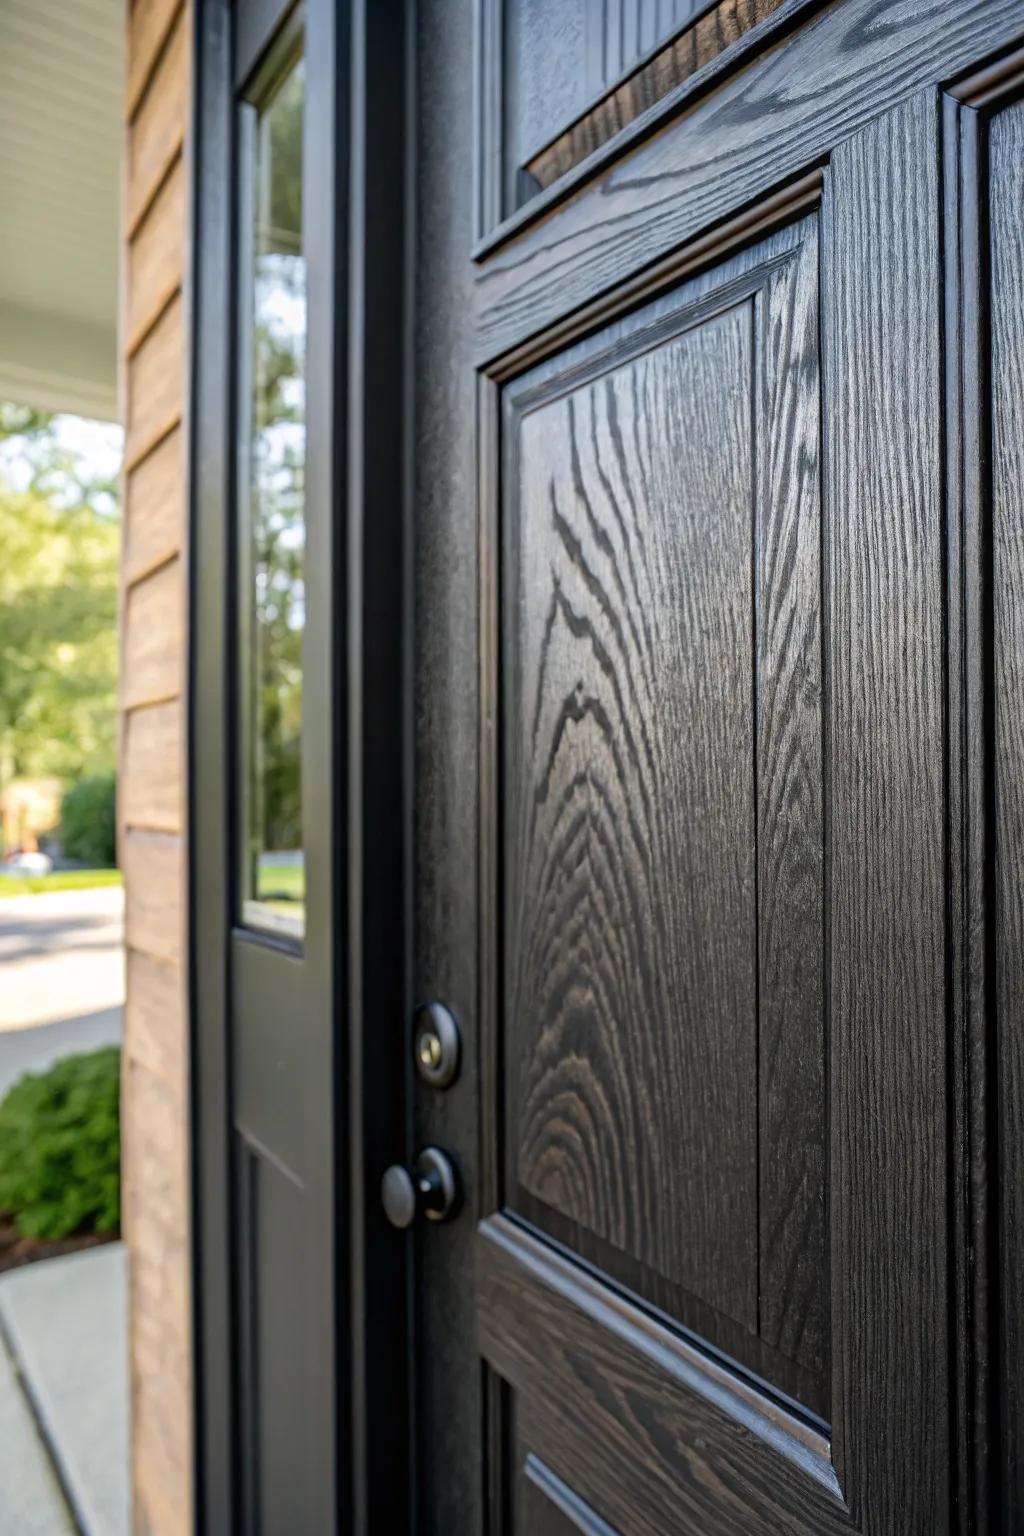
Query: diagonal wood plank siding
point(152, 786)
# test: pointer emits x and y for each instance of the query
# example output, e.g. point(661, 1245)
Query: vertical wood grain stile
point(1006, 198)
point(884, 531)
point(790, 828)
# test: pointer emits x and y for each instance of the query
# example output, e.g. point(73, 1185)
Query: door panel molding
point(572, 1512)
point(882, 321)
point(579, 1354)
point(982, 139)
point(618, 119)
point(775, 120)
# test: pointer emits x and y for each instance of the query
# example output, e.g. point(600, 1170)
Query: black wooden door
point(717, 673)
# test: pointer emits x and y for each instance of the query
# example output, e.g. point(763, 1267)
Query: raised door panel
point(662, 829)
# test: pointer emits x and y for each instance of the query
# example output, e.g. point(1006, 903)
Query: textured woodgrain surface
point(152, 791)
point(823, 96)
point(150, 23)
point(791, 895)
point(881, 303)
point(154, 517)
point(153, 630)
point(451, 1431)
point(708, 37)
point(663, 825)
point(631, 1420)
point(158, 253)
point(156, 129)
point(545, 1505)
point(622, 31)
point(1006, 201)
point(153, 864)
point(773, 120)
point(152, 767)
point(155, 1206)
point(630, 1021)
point(155, 385)
point(559, 54)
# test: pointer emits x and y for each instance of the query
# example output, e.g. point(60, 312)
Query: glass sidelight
point(271, 500)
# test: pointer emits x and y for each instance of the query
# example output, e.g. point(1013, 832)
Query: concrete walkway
point(60, 955)
point(31, 1503)
point(64, 1396)
point(63, 1356)
point(61, 977)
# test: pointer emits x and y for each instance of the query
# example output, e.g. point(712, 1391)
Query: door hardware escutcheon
point(437, 1045)
point(428, 1189)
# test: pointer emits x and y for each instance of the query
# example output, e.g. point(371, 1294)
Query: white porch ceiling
point(61, 90)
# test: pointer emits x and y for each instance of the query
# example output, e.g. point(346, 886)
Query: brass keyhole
point(430, 1050)
point(437, 1045)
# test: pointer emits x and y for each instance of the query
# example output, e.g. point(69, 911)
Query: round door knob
point(427, 1189)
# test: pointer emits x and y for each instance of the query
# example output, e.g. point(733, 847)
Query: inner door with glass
point(263, 851)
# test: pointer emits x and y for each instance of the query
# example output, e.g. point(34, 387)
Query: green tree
point(277, 477)
point(58, 610)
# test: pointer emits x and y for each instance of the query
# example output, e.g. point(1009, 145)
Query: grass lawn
point(16, 884)
point(283, 882)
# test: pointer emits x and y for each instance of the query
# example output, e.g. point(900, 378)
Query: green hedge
point(60, 1147)
point(88, 821)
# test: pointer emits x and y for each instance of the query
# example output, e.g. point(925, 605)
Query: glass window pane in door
point(272, 520)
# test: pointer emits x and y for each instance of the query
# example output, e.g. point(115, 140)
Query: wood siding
point(152, 783)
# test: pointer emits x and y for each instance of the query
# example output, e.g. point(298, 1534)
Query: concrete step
point(31, 1503)
point(64, 1322)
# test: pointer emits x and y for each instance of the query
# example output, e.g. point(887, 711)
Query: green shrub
point(88, 821)
point(60, 1147)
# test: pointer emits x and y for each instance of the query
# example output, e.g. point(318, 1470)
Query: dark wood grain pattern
point(557, 58)
point(450, 1403)
point(545, 1505)
point(632, 1403)
point(772, 121)
point(663, 829)
point(641, 1426)
point(631, 1023)
point(975, 1364)
point(622, 31)
point(695, 47)
point(790, 831)
point(1006, 199)
point(881, 304)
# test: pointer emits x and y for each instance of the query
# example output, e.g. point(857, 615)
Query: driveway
point(61, 976)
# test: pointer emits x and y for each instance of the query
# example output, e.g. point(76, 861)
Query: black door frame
point(356, 384)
